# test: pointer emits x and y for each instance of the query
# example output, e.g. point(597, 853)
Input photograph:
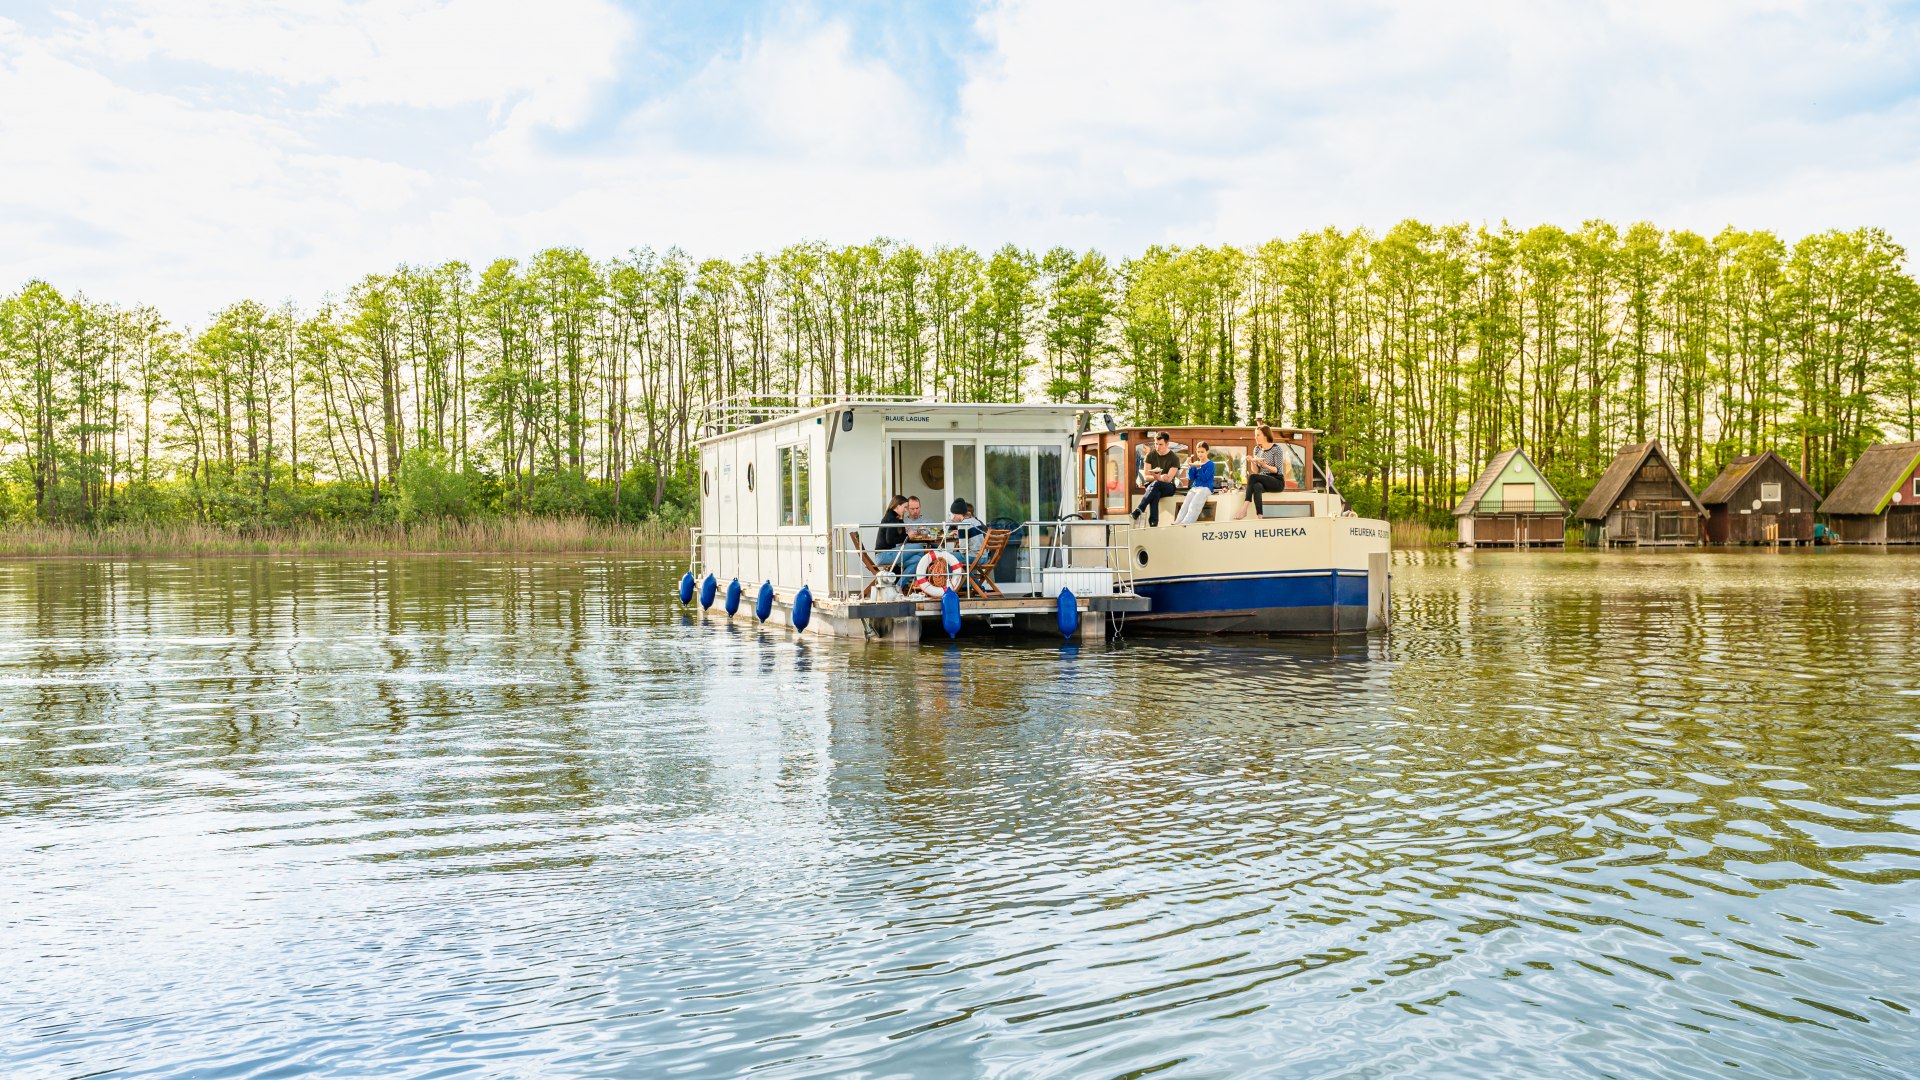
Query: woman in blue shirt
point(1199, 483)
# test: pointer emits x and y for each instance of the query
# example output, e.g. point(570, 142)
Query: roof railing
point(745, 410)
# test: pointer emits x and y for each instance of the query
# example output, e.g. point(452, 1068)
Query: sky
point(192, 153)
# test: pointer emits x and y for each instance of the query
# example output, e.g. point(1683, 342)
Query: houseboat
point(793, 494)
point(1304, 565)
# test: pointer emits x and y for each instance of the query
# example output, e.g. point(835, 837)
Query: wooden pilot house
point(1878, 501)
point(1641, 501)
point(1512, 504)
point(1759, 499)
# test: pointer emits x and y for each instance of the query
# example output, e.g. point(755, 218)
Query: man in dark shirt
point(1157, 472)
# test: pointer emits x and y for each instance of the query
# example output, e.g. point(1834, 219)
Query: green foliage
point(563, 386)
point(431, 489)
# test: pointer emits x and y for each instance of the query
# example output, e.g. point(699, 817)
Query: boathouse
point(1759, 499)
point(1878, 501)
point(1512, 504)
point(1642, 501)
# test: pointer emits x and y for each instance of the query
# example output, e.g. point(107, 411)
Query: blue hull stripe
point(1152, 580)
point(1323, 588)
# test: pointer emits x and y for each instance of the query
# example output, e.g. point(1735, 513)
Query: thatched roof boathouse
point(1759, 499)
point(1642, 501)
point(1512, 504)
point(1878, 501)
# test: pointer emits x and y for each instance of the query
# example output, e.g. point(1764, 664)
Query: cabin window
point(796, 487)
point(1769, 493)
point(1010, 483)
point(964, 480)
point(1116, 479)
point(1295, 463)
point(1916, 487)
point(1230, 465)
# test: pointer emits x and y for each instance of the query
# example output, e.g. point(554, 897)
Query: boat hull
point(1263, 576)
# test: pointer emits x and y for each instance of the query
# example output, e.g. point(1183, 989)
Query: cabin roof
point(1738, 471)
point(1471, 500)
point(1000, 408)
point(1613, 483)
point(1869, 485)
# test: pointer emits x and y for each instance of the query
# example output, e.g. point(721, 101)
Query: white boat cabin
point(786, 488)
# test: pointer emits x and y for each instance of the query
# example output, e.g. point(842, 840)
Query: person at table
point(1199, 483)
point(1158, 472)
point(967, 529)
point(1268, 469)
point(891, 546)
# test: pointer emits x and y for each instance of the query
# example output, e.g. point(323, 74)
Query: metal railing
point(1091, 556)
point(746, 410)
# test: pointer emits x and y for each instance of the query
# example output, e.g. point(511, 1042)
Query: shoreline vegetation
point(496, 536)
point(566, 386)
point(493, 536)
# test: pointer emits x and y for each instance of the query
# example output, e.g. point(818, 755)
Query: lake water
point(1579, 813)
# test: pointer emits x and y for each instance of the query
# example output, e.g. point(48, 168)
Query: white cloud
point(349, 137)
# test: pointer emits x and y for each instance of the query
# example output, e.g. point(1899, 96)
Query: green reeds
point(512, 535)
point(1421, 534)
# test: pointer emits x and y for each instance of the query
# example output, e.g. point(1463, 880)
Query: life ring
point(938, 571)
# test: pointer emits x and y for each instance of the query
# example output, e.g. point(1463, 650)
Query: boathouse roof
point(1868, 487)
point(1740, 470)
point(1470, 502)
point(1613, 483)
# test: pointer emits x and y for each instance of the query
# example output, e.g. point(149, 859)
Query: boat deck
point(857, 608)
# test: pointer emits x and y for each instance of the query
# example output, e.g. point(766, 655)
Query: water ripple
point(1627, 815)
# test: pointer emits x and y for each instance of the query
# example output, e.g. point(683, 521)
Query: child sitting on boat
point(1199, 483)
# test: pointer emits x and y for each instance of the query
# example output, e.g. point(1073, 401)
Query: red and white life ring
point(937, 572)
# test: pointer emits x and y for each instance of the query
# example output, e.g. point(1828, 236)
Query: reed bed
point(1421, 534)
point(540, 536)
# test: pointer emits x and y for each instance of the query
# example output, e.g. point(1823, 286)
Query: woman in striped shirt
point(1267, 468)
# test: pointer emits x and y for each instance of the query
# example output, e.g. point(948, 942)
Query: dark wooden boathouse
point(1642, 501)
point(1878, 501)
point(1759, 499)
point(1512, 504)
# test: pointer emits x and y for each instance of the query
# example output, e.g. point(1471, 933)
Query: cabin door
point(920, 471)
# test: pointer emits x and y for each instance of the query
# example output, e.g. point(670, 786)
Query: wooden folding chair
point(872, 567)
point(980, 570)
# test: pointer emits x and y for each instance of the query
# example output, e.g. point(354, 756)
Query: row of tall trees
point(567, 385)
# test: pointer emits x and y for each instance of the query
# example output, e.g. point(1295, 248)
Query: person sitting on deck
point(1199, 483)
point(968, 530)
point(891, 546)
point(1157, 473)
point(1268, 469)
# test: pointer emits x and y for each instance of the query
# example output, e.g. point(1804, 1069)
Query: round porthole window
point(1140, 555)
point(749, 476)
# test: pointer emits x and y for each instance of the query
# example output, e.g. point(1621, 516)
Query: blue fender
point(763, 604)
point(686, 588)
point(803, 608)
point(733, 597)
point(707, 588)
point(950, 613)
point(1068, 610)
